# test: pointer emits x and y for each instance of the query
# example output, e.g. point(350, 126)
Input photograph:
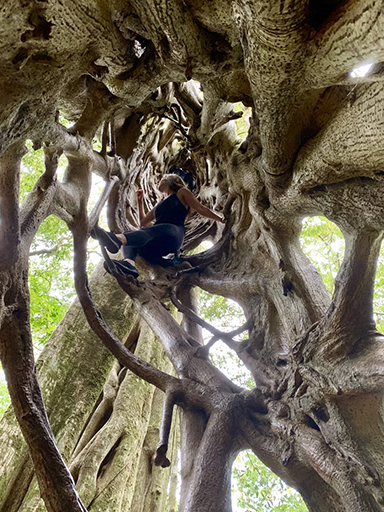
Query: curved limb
point(227, 337)
point(97, 324)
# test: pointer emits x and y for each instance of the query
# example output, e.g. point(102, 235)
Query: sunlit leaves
point(256, 488)
point(323, 243)
point(242, 124)
point(378, 298)
point(51, 290)
point(50, 268)
point(32, 169)
point(219, 309)
point(4, 398)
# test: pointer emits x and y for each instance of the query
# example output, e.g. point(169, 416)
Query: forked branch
point(227, 337)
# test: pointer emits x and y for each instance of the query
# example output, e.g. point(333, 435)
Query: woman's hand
point(218, 218)
point(144, 218)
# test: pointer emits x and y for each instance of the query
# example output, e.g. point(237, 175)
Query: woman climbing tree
point(165, 236)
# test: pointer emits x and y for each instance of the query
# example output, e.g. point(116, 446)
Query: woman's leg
point(133, 241)
point(129, 254)
point(107, 239)
point(150, 243)
point(166, 238)
point(113, 243)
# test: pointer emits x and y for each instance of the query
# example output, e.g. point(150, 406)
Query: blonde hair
point(174, 182)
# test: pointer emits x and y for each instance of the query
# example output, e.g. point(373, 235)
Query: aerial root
point(160, 458)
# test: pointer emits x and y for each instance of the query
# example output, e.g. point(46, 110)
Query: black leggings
point(154, 242)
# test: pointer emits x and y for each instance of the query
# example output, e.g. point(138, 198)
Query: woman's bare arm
point(188, 199)
point(144, 218)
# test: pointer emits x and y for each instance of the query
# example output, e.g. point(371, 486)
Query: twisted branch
point(227, 337)
point(141, 368)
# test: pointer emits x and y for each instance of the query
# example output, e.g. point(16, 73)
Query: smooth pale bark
point(314, 147)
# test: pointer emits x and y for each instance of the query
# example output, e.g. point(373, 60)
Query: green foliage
point(323, 243)
point(242, 124)
point(222, 310)
point(32, 167)
point(4, 397)
point(378, 298)
point(50, 270)
point(51, 289)
point(256, 488)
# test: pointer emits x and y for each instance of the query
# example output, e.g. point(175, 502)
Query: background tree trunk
point(105, 419)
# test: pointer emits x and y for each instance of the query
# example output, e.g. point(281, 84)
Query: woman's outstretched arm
point(188, 199)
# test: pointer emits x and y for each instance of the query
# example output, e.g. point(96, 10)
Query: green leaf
point(257, 488)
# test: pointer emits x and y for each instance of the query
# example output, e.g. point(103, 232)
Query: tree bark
point(314, 147)
point(93, 421)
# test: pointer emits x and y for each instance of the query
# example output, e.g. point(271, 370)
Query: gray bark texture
point(127, 74)
point(105, 420)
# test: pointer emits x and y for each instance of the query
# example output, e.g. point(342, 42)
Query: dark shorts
point(154, 242)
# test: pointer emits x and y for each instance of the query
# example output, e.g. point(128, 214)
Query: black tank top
point(171, 211)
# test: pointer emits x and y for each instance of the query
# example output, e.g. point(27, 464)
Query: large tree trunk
point(314, 147)
point(105, 420)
